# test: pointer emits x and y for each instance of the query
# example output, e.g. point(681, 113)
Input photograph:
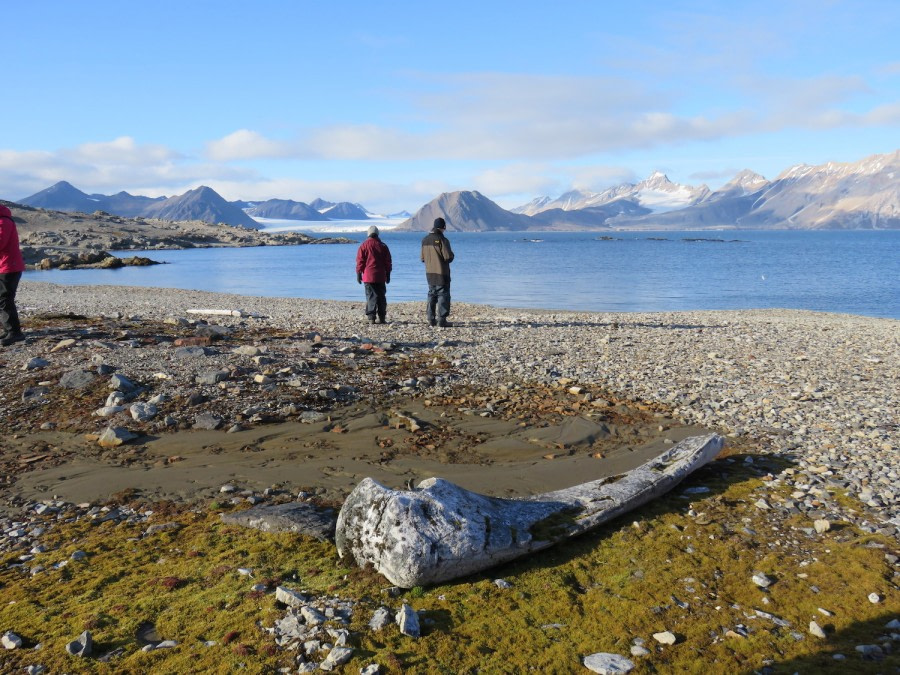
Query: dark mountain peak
point(284, 209)
point(345, 211)
point(466, 211)
point(320, 204)
point(62, 196)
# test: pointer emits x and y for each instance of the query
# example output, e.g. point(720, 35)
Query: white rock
point(665, 638)
point(762, 580)
point(607, 664)
point(874, 598)
point(816, 629)
point(336, 657)
point(10, 640)
point(408, 621)
point(822, 526)
point(290, 597)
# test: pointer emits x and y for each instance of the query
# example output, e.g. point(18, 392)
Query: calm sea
point(850, 272)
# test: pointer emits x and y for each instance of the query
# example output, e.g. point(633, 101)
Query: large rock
point(441, 531)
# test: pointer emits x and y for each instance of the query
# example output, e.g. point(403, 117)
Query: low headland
point(60, 239)
point(139, 423)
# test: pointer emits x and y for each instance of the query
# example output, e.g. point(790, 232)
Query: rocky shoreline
point(123, 397)
point(51, 239)
point(818, 389)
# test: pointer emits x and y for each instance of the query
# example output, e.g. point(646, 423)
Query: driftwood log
point(441, 531)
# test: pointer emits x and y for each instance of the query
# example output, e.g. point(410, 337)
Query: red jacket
point(373, 261)
point(10, 253)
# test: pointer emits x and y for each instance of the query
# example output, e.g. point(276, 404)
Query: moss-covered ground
point(682, 564)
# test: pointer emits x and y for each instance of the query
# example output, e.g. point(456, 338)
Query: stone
point(113, 437)
point(10, 640)
point(381, 619)
point(143, 412)
point(665, 637)
point(82, 646)
point(207, 421)
point(762, 580)
point(371, 669)
point(607, 664)
point(36, 364)
point(816, 630)
point(338, 656)
point(312, 616)
point(408, 621)
point(63, 344)
point(108, 411)
point(874, 598)
point(822, 526)
point(191, 352)
point(212, 376)
point(123, 384)
point(115, 398)
point(76, 379)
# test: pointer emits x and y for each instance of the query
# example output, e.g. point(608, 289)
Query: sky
point(391, 104)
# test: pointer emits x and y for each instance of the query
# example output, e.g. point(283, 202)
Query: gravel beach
point(146, 435)
point(820, 390)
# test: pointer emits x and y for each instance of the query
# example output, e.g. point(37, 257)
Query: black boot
point(12, 338)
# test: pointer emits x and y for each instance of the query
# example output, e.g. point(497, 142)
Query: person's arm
point(360, 264)
point(6, 230)
point(447, 252)
point(388, 264)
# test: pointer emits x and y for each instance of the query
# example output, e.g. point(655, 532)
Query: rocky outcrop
point(72, 240)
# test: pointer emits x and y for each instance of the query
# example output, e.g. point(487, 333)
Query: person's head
point(439, 224)
point(5, 212)
point(373, 231)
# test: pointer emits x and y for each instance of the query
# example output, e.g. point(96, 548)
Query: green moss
point(595, 593)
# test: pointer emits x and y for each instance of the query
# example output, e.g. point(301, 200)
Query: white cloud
point(122, 151)
point(246, 144)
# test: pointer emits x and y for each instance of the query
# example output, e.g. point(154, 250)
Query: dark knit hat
point(439, 224)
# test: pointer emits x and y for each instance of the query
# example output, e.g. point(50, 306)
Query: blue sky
point(390, 104)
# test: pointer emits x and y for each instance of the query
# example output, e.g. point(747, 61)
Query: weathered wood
point(441, 531)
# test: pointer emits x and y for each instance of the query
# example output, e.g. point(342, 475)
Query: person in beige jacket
point(437, 256)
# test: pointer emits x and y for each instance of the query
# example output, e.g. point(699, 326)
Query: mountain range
point(854, 195)
point(202, 203)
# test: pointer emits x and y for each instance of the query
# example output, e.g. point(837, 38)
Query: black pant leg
point(9, 316)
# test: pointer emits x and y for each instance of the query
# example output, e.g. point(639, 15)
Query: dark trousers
point(9, 317)
point(376, 300)
point(438, 302)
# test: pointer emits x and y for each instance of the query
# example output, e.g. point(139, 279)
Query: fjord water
point(855, 272)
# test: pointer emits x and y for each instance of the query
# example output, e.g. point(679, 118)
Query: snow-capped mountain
point(656, 193)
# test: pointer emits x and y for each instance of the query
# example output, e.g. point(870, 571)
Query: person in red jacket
point(373, 268)
point(11, 267)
